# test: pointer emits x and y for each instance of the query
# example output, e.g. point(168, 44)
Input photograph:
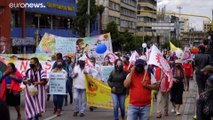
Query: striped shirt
point(35, 104)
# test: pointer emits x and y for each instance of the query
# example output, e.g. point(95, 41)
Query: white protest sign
point(65, 45)
point(106, 70)
point(57, 83)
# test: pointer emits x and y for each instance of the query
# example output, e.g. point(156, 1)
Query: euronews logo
point(27, 5)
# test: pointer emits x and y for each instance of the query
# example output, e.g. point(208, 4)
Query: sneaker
point(173, 110)
point(75, 114)
point(55, 110)
point(177, 113)
point(82, 114)
point(58, 112)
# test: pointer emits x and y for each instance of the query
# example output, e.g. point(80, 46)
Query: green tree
point(112, 28)
point(100, 9)
point(81, 20)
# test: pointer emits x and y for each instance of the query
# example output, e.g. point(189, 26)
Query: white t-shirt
point(80, 81)
point(95, 72)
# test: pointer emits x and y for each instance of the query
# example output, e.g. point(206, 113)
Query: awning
point(23, 41)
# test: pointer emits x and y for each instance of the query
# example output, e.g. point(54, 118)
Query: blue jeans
point(118, 101)
point(135, 112)
point(79, 96)
point(58, 101)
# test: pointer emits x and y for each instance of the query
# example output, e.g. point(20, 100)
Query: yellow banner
point(99, 94)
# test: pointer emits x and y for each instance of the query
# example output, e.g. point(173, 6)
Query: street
point(187, 110)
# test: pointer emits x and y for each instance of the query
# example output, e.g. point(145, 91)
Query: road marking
point(52, 117)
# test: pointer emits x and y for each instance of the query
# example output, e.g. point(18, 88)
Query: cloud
point(197, 7)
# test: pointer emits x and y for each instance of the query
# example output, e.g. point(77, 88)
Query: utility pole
point(88, 22)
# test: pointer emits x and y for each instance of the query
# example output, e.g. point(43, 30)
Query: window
point(15, 19)
point(128, 12)
point(114, 6)
point(114, 19)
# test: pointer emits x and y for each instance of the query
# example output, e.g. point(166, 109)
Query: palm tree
point(100, 9)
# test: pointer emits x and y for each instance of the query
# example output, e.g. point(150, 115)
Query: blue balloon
point(101, 48)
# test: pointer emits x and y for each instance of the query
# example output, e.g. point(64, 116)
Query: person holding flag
point(139, 83)
point(163, 92)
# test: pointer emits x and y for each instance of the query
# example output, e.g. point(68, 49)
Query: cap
point(139, 62)
point(178, 61)
point(208, 69)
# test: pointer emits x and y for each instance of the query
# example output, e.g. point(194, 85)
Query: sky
point(198, 7)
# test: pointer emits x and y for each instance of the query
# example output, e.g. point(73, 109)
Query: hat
point(178, 61)
point(139, 62)
point(208, 69)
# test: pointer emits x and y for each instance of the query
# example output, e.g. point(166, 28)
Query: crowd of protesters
point(125, 79)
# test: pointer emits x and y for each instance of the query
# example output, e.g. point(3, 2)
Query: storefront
point(23, 45)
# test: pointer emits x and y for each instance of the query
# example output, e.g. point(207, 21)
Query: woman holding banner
point(10, 90)
point(58, 99)
point(115, 81)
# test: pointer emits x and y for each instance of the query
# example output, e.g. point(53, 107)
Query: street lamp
point(144, 45)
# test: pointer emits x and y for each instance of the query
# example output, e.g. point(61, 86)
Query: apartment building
point(122, 12)
point(146, 15)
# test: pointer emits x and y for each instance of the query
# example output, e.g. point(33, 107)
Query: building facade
point(193, 38)
point(122, 12)
point(145, 19)
point(206, 26)
point(27, 25)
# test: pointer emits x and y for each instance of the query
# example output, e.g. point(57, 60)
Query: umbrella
point(194, 50)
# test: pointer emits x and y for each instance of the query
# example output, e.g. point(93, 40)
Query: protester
point(115, 81)
point(70, 79)
point(126, 64)
point(79, 91)
point(4, 111)
point(188, 74)
point(58, 99)
point(163, 92)
point(201, 60)
point(37, 77)
point(107, 61)
point(65, 66)
point(140, 92)
point(10, 90)
point(177, 88)
point(205, 102)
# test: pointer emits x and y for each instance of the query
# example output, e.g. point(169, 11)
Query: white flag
point(156, 58)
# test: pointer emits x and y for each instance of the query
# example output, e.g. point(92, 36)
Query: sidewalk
point(187, 110)
point(190, 103)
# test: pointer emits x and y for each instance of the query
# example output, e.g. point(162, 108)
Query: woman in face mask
point(58, 99)
point(115, 81)
point(178, 87)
